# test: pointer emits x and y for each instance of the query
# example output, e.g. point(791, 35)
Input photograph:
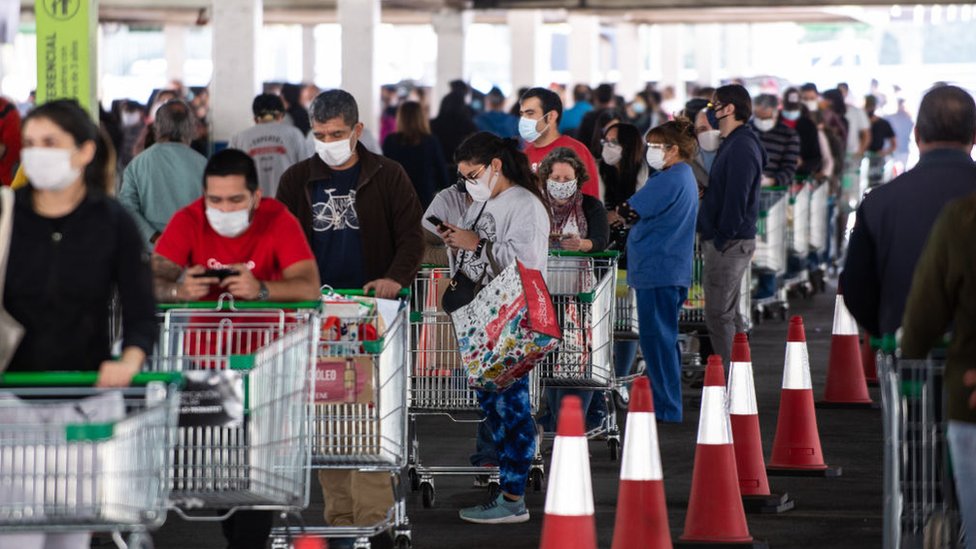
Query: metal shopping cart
point(820, 224)
point(439, 386)
point(919, 501)
point(583, 290)
point(358, 414)
point(78, 459)
point(769, 260)
point(252, 453)
point(797, 277)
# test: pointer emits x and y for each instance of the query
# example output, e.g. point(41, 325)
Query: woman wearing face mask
point(507, 221)
point(71, 245)
point(579, 224)
point(660, 247)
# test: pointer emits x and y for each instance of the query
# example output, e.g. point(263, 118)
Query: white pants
point(30, 540)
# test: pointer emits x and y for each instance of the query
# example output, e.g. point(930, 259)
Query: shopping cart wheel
point(784, 311)
point(403, 542)
point(614, 447)
point(139, 540)
point(536, 478)
point(414, 479)
point(427, 494)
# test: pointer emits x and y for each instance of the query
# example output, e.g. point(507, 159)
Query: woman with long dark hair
point(419, 152)
point(508, 221)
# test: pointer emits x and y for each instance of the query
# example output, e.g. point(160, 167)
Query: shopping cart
point(820, 223)
point(253, 452)
point(583, 290)
point(769, 260)
point(919, 500)
point(78, 459)
point(439, 386)
point(797, 277)
point(359, 410)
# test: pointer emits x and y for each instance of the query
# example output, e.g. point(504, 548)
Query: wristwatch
point(263, 292)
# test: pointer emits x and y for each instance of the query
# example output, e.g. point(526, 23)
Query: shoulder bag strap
point(6, 230)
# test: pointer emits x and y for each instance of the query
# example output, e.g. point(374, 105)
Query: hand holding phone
point(436, 221)
point(219, 274)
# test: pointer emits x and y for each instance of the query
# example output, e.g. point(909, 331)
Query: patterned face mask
point(561, 190)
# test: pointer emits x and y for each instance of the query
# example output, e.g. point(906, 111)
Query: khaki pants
point(355, 498)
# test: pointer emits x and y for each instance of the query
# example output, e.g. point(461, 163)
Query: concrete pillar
point(584, 49)
point(175, 38)
point(629, 60)
point(308, 53)
point(360, 21)
point(450, 25)
point(673, 61)
point(530, 60)
point(236, 28)
point(707, 53)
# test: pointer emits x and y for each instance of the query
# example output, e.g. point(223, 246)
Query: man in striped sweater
point(781, 142)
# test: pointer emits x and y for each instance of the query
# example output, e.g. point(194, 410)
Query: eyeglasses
point(473, 178)
point(609, 142)
point(659, 146)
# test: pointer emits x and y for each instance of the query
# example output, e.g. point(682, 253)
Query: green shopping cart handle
point(239, 305)
point(404, 292)
point(772, 189)
point(567, 253)
point(79, 379)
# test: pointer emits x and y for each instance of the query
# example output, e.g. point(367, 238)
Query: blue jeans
point(509, 418)
point(485, 455)
point(766, 287)
point(555, 399)
point(658, 310)
point(624, 353)
point(962, 447)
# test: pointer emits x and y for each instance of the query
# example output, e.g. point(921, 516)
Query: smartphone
point(436, 221)
point(220, 274)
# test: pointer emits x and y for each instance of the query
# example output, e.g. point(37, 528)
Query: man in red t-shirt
point(541, 110)
point(234, 241)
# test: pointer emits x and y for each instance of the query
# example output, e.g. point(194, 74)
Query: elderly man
point(166, 176)
point(781, 142)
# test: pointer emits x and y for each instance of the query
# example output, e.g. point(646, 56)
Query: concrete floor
point(838, 513)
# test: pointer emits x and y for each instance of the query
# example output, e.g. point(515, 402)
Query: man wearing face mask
point(541, 110)
point(780, 141)
point(362, 217)
point(811, 159)
point(708, 138)
point(728, 214)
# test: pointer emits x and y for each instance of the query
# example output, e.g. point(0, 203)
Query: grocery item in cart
point(507, 329)
point(344, 380)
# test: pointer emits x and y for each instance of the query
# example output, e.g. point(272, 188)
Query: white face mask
point(655, 158)
point(527, 129)
point(480, 190)
point(764, 124)
point(813, 105)
point(709, 140)
point(49, 168)
point(229, 224)
point(335, 153)
point(561, 190)
point(612, 152)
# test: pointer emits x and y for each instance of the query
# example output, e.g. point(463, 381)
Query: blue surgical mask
point(791, 115)
point(527, 129)
point(707, 158)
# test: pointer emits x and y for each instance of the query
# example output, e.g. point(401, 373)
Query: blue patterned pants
point(509, 415)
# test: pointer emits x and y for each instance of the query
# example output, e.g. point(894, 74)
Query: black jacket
point(893, 224)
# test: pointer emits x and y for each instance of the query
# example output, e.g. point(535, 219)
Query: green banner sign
point(66, 51)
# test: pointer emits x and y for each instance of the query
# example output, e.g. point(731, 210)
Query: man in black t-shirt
point(881, 132)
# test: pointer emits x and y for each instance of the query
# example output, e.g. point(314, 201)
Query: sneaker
point(498, 511)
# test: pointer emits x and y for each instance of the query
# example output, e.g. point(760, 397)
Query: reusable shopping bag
point(507, 329)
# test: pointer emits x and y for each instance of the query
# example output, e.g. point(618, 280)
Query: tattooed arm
point(173, 283)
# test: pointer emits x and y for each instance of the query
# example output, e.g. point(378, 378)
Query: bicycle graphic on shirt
point(335, 214)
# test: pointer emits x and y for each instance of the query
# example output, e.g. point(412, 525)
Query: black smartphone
point(436, 221)
point(217, 273)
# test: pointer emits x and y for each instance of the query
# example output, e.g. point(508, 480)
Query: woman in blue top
point(660, 247)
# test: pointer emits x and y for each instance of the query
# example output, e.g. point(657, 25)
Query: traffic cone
point(846, 387)
point(715, 514)
point(744, 416)
point(869, 361)
point(642, 514)
point(569, 520)
point(796, 448)
point(310, 542)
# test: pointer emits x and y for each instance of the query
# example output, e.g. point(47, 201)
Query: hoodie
point(730, 207)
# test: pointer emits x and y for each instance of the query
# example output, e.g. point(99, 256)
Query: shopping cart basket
point(439, 385)
point(257, 459)
point(797, 278)
point(769, 260)
point(78, 459)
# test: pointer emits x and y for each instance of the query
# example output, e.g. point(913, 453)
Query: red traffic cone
point(869, 361)
point(310, 542)
point(846, 387)
point(642, 514)
point(744, 416)
point(796, 448)
point(569, 520)
point(715, 514)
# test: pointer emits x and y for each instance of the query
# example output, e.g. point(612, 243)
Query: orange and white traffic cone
point(869, 360)
point(845, 387)
point(796, 448)
point(744, 416)
point(310, 542)
point(715, 514)
point(642, 513)
point(569, 520)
